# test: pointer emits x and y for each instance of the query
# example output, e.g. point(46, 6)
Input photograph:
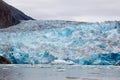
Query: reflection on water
point(58, 72)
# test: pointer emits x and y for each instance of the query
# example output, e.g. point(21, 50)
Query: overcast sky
point(75, 10)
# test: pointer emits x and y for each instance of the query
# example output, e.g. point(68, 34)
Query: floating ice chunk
point(62, 62)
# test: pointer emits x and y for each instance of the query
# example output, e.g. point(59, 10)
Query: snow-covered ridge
point(43, 42)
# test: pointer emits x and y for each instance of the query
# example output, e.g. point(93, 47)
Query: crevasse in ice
point(43, 42)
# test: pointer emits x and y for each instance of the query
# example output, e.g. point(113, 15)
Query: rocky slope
point(4, 60)
point(10, 16)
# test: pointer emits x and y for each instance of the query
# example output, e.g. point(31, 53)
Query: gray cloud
point(70, 9)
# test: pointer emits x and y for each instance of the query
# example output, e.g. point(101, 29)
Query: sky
point(73, 10)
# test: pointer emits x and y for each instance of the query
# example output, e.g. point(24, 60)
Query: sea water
point(58, 72)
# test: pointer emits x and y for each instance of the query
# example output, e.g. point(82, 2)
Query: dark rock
point(118, 63)
point(10, 16)
point(3, 60)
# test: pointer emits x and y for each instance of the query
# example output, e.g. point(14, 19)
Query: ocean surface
point(58, 72)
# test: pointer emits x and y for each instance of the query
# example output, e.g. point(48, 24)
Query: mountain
point(70, 42)
point(10, 16)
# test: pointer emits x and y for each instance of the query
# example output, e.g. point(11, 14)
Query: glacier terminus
point(55, 41)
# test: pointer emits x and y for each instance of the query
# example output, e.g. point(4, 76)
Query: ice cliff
point(45, 42)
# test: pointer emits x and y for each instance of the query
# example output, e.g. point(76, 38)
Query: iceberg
point(47, 41)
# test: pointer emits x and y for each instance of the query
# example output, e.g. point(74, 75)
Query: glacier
point(52, 41)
